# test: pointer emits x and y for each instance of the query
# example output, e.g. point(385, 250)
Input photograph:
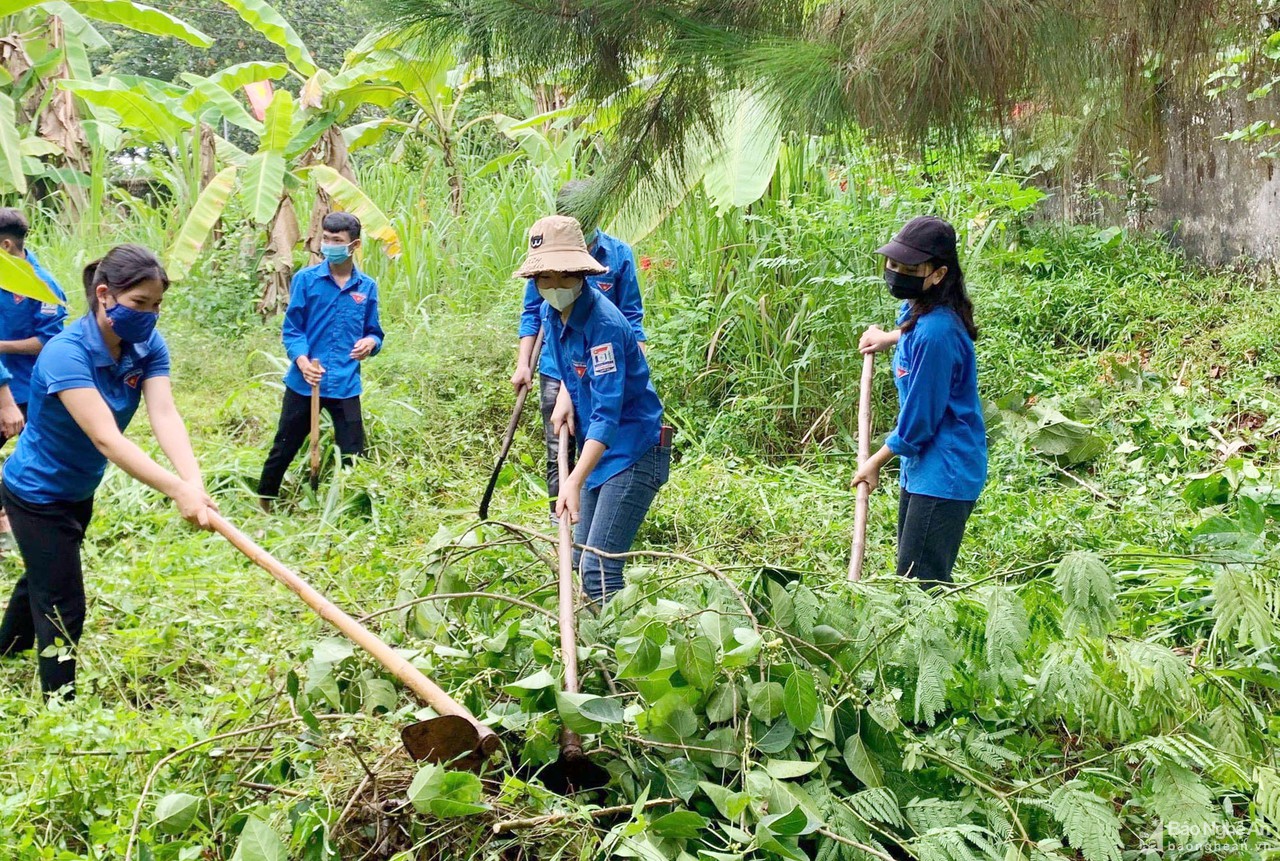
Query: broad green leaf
point(38, 147)
point(725, 703)
point(861, 763)
point(208, 208)
point(11, 172)
point(445, 793)
point(351, 199)
point(569, 706)
point(683, 824)
point(263, 17)
point(794, 823)
point(377, 694)
point(696, 660)
point(206, 93)
point(175, 812)
point(332, 650)
point(263, 185)
point(144, 19)
point(745, 652)
point(539, 681)
point(730, 804)
point(369, 133)
point(603, 710)
point(778, 738)
point(641, 662)
point(17, 276)
point(765, 699)
point(144, 114)
point(742, 164)
point(13, 7)
point(800, 699)
point(232, 78)
point(278, 126)
point(258, 842)
point(788, 769)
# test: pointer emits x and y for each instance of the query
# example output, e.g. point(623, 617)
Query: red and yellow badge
point(359, 297)
point(580, 368)
point(133, 379)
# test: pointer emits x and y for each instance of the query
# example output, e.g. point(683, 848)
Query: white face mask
point(562, 297)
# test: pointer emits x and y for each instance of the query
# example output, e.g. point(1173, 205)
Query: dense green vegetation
point(1100, 685)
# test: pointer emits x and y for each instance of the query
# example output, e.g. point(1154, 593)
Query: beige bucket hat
point(556, 245)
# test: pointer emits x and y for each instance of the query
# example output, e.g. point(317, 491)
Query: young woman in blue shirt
point(85, 388)
point(606, 400)
point(940, 434)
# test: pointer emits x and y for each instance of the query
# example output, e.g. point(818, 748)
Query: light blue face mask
point(336, 253)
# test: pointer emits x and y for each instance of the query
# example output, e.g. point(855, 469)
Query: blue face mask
point(132, 327)
point(336, 253)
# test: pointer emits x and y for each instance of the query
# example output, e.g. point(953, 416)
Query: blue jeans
point(610, 517)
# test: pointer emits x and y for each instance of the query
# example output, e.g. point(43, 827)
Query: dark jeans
point(929, 533)
point(548, 390)
point(610, 517)
point(295, 428)
point(47, 604)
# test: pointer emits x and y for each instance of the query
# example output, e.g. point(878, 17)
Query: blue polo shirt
point(598, 358)
point(940, 435)
point(324, 321)
point(22, 317)
point(55, 460)
point(620, 284)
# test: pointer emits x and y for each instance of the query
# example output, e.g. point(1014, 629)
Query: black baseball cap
point(920, 240)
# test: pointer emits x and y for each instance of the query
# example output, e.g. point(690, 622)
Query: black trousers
point(929, 533)
point(548, 390)
point(295, 428)
point(47, 604)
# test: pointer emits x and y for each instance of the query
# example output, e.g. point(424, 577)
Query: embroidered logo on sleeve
point(48, 309)
point(602, 360)
point(359, 297)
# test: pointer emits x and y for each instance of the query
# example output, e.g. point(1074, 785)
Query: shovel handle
point(568, 621)
point(426, 690)
point(521, 396)
point(315, 432)
point(864, 451)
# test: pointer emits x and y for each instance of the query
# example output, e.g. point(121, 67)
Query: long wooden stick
point(864, 451)
point(568, 620)
point(426, 690)
point(315, 436)
point(521, 397)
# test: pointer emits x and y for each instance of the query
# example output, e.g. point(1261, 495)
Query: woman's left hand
point(868, 474)
point(11, 421)
point(570, 499)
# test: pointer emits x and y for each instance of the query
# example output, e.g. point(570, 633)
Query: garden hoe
point(573, 771)
point(315, 436)
point(521, 396)
point(453, 737)
point(864, 452)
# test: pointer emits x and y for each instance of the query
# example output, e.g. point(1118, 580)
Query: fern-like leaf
point(1241, 611)
point(877, 805)
point(1090, 822)
point(1006, 634)
point(1088, 590)
point(1176, 794)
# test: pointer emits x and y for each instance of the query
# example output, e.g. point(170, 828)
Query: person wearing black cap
point(940, 434)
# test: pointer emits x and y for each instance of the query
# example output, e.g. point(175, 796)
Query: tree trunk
point(277, 263)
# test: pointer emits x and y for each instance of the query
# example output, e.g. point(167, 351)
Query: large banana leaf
point(206, 96)
point(350, 198)
point(278, 127)
point(17, 276)
point(12, 7)
point(234, 77)
point(144, 19)
point(262, 17)
point(204, 215)
point(742, 164)
point(143, 111)
point(11, 173)
point(263, 184)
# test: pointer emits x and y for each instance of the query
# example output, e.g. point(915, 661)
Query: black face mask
point(904, 286)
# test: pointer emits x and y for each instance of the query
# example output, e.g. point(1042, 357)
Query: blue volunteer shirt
point(598, 358)
point(22, 317)
point(324, 322)
point(55, 460)
point(620, 284)
point(940, 435)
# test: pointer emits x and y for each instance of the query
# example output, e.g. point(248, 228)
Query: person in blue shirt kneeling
point(606, 399)
point(85, 389)
point(330, 327)
point(940, 434)
point(26, 324)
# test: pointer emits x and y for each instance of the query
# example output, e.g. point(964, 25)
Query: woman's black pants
point(929, 533)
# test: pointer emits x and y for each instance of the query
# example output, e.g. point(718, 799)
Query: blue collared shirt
point(324, 322)
point(21, 318)
point(598, 358)
point(55, 460)
point(620, 284)
point(940, 436)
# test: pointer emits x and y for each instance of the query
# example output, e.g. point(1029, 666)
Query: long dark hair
point(122, 268)
point(950, 293)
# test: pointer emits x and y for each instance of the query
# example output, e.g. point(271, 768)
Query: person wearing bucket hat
point(940, 435)
point(617, 280)
point(606, 398)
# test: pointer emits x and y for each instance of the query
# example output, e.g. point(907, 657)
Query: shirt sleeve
point(157, 358)
point(48, 318)
point(925, 393)
point(607, 369)
point(294, 330)
point(628, 287)
point(372, 324)
point(531, 313)
point(67, 366)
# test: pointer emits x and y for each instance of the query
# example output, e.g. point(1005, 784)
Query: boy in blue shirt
point(330, 327)
point(617, 282)
point(26, 325)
